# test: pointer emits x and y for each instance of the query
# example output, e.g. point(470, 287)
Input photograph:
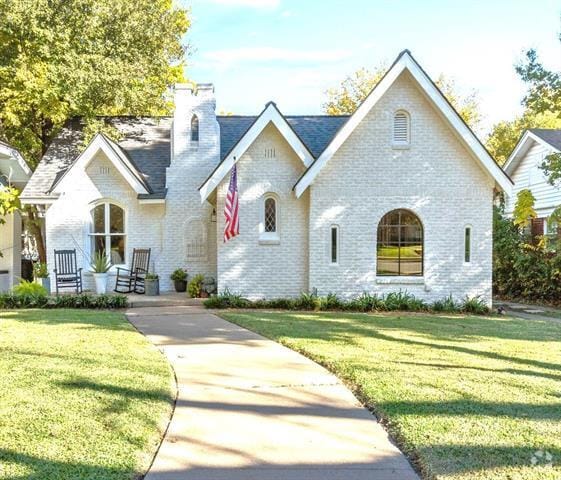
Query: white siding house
point(523, 166)
point(14, 172)
point(397, 196)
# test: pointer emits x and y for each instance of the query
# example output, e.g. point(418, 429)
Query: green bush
point(40, 270)
point(83, 300)
point(195, 286)
point(179, 275)
point(396, 301)
point(29, 288)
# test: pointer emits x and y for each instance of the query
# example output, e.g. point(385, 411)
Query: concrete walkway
point(250, 409)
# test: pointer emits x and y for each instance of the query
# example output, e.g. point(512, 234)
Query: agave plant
point(100, 263)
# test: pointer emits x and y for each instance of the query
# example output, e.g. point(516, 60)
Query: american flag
point(231, 208)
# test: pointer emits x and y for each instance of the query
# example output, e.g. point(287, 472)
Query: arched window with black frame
point(399, 249)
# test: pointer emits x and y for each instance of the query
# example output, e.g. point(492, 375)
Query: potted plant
point(152, 284)
point(100, 266)
point(42, 275)
point(195, 286)
point(179, 277)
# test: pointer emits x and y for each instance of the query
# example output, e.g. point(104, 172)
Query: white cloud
point(249, 3)
point(260, 55)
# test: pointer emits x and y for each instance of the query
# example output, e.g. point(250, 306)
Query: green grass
point(83, 395)
point(465, 397)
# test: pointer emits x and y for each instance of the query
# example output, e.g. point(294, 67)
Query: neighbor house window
point(108, 233)
point(401, 128)
point(195, 129)
point(334, 250)
point(400, 244)
point(467, 245)
point(270, 215)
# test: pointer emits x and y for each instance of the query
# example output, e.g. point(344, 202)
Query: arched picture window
point(400, 244)
point(270, 207)
point(108, 232)
point(195, 129)
point(401, 128)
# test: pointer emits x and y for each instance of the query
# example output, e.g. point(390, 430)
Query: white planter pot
point(100, 282)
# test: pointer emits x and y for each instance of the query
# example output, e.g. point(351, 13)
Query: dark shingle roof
point(146, 141)
point(315, 131)
point(551, 136)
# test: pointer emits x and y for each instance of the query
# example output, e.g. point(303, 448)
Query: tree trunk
point(34, 226)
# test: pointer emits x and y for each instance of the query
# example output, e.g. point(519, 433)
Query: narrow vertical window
point(270, 215)
point(467, 245)
point(334, 244)
point(195, 129)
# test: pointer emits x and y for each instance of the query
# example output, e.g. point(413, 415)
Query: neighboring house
point(397, 196)
point(13, 172)
point(523, 166)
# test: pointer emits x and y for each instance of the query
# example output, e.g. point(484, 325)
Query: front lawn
point(83, 395)
point(465, 397)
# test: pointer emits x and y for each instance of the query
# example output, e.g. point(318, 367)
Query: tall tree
point(62, 58)
point(345, 99)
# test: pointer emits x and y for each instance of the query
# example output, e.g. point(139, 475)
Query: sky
point(292, 51)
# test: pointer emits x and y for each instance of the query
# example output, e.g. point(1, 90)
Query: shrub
point(228, 300)
point(179, 275)
point(447, 304)
point(307, 301)
point(40, 270)
point(29, 288)
point(366, 303)
point(474, 305)
point(330, 302)
point(83, 300)
point(404, 301)
point(195, 286)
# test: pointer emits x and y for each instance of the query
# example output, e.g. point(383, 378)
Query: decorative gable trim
point(117, 157)
point(270, 114)
point(405, 61)
point(522, 147)
point(9, 151)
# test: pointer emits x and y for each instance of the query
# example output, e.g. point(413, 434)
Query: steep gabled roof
point(405, 61)
point(548, 138)
point(270, 115)
point(144, 140)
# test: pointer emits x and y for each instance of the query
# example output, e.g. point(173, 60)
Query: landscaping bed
point(83, 395)
point(465, 397)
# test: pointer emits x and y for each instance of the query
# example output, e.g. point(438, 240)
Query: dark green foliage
point(395, 301)
point(84, 300)
point(521, 269)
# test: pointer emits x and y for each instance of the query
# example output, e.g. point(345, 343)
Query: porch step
point(163, 300)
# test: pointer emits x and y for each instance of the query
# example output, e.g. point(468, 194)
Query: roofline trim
point(270, 114)
point(115, 155)
point(15, 153)
point(510, 164)
point(405, 61)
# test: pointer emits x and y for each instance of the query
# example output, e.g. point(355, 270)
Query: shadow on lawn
point(101, 319)
point(42, 469)
point(118, 391)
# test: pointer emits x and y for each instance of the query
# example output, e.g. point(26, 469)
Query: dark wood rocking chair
point(133, 280)
point(67, 273)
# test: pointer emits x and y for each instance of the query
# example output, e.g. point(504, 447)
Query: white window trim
point(269, 238)
point(106, 203)
point(401, 145)
point(330, 244)
point(470, 245)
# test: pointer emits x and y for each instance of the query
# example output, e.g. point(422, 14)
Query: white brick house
point(397, 196)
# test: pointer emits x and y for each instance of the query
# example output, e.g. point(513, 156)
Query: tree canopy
point(61, 58)
point(344, 99)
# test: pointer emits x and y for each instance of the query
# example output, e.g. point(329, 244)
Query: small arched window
point(270, 217)
point(108, 232)
point(400, 244)
point(401, 128)
point(195, 129)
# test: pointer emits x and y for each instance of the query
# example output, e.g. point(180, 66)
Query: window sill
point(401, 146)
point(400, 280)
point(269, 239)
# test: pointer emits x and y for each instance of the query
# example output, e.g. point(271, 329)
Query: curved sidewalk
point(251, 409)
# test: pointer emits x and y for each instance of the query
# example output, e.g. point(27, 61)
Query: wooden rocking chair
point(133, 280)
point(67, 273)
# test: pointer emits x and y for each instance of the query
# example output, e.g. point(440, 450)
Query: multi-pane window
point(467, 245)
point(400, 244)
point(334, 244)
point(401, 135)
point(108, 232)
point(270, 215)
point(195, 129)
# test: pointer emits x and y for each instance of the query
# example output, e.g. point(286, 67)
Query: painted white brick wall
point(245, 265)
point(436, 178)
